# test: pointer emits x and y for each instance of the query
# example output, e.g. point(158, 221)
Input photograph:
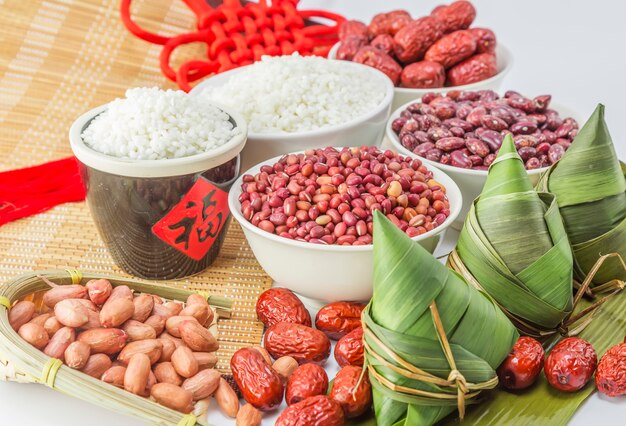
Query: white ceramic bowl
point(470, 182)
point(367, 129)
point(402, 95)
point(326, 273)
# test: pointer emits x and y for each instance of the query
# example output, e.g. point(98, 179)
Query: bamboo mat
point(58, 59)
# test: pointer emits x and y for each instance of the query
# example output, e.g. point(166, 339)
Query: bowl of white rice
point(293, 103)
point(157, 166)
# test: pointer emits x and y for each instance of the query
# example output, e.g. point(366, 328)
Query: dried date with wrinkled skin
point(383, 42)
point(378, 59)
point(339, 318)
point(423, 75)
point(354, 400)
point(307, 380)
point(304, 344)
point(485, 40)
point(349, 349)
point(456, 16)
point(349, 47)
point(281, 305)
point(452, 48)
point(259, 384)
point(412, 41)
point(388, 23)
point(352, 28)
point(317, 410)
point(476, 68)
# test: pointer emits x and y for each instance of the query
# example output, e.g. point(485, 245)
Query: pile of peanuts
point(296, 375)
point(328, 196)
point(137, 342)
point(435, 50)
point(465, 129)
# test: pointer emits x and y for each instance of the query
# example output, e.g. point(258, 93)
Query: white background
point(573, 50)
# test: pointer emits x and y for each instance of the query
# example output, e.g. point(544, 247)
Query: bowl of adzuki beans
point(461, 133)
point(308, 216)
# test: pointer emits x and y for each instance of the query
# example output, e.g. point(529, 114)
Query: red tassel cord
point(31, 190)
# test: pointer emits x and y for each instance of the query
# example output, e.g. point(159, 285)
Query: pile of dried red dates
point(299, 350)
point(433, 51)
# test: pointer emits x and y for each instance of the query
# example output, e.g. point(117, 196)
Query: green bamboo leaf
point(590, 186)
point(407, 279)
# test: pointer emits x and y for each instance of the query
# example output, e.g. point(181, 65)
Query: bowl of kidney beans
point(308, 216)
point(461, 133)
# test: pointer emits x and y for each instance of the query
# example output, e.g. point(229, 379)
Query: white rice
point(296, 94)
point(152, 124)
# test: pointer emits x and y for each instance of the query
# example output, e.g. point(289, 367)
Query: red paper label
point(195, 222)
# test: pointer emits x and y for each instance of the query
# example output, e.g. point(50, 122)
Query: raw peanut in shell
point(455, 16)
point(262, 351)
point(172, 324)
point(349, 349)
point(184, 362)
point(114, 376)
point(136, 376)
point(71, 313)
point(104, 340)
point(62, 292)
point(306, 381)
point(52, 325)
point(354, 400)
point(21, 313)
point(285, 366)
point(99, 290)
point(197, 337)
point(173, 397)
point(59, 343)
point(611, 372)
point(452, 48)
point(157, 322)
point(96, 365)
point(143, 307)
point(77, 354)
point(485, 40)
point(388, 23)
point(205, 359)
point(349, 47)
point(202, 384)
point(40, 319)
point(260, 385)
point(121, 292)
point(281, 305)
point(414, 39)
point(378, 59)
point(34, 334)
point(202, 313)
point(352, 28)
point(168, 349)
point(166, 373)
point(476, 68)
point(115, 312)
point(226, 399)
point(302, 343)
point(423, 75)
point(317, 410)
point(150, 347)
point(249, 416)
point(570, 364)
point(136, 330)
point(339, 318)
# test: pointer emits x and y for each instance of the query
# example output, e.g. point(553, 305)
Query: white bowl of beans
point(439, 141)
point(308, 216)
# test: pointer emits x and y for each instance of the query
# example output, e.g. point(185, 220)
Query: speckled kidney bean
point(481, 120)
point(555, 153)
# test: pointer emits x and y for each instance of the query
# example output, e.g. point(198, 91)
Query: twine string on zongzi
point(458, 387)
point(565, 327)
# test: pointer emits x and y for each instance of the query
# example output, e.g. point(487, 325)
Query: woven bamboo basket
point(21, 362)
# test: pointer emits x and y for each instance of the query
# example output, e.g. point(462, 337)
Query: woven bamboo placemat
point(60, 58)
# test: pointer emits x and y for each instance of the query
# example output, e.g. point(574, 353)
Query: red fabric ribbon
point(31, 190)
